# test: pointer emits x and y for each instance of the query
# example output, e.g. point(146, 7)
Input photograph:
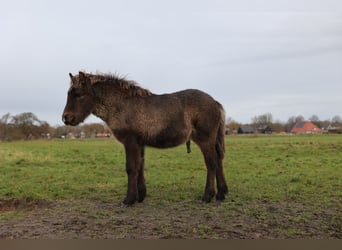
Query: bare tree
point(231, 125)
point(336, 120)
point(5, 118)
point(291, 120)
point(299, 118)
point(92, 129)
point(28, 126)
point(265, 119)
point(290, 123)
point(4, 126)
point(315, 120)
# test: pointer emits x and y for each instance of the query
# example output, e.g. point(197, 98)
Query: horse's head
point(80, 102)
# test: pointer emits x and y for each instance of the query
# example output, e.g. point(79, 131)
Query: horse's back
point(199, 102)
point(168, 120)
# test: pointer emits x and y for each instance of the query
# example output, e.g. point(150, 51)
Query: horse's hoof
point(141, 199)
point(128, 201)
point(220, 197)
point(141, 195)
point(206, 199)
point(123, 205)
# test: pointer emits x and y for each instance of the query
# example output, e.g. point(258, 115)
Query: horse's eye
point(78, 95)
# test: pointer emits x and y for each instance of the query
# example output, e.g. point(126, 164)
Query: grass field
point(279, 187)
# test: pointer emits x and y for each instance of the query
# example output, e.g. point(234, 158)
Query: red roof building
point(305, 127)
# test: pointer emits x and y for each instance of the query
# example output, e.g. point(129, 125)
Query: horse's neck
point(107, 103)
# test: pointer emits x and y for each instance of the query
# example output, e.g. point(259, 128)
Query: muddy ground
point(105, 220)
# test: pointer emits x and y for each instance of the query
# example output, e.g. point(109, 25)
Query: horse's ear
point(81, 75)
point(83, 79)
point(72, 78)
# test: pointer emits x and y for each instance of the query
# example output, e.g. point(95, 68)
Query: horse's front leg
point(133, 164)
point(141, 177)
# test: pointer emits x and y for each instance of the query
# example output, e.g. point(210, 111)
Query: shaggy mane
point(131, 88)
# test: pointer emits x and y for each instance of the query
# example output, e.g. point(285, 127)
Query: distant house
point(265, 129)
point(246, 130)
point(305, 127)
point(331, 129)
point(102, 135)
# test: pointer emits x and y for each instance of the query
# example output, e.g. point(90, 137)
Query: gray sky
point(282, 57)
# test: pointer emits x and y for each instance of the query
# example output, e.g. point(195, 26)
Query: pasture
point(279, 187)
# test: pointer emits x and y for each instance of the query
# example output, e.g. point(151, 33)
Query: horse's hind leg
point(188, 148)
point(210, 158)
point(222, 188)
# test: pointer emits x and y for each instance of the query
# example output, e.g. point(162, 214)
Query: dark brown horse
point(139, 118)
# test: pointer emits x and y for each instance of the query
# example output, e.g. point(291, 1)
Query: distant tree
point(61, 131)
point(27, 118)
point(4, 126)
point(265, 119)
point(28, 126)
point(65, 131)
point(315, 120)
point(325, 123)
point(45, 130)
point(291, 120)
point(232, 125)
point(278, 126)
point(5, 118)
point(336, 120)
point(92, 129)
point(229, 120)
point(299, 118)
point(24, 126)
point(290, 123)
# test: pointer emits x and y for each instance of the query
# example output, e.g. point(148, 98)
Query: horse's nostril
point(68, 119)
point(65, 118)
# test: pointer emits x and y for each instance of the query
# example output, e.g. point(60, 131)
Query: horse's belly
point(167, 138)
point(164, 143)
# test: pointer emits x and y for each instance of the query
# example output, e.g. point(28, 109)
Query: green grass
point(279, 183)
point(60, 169)
point(287, 168)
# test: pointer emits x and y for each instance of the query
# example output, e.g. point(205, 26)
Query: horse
point(139, 118)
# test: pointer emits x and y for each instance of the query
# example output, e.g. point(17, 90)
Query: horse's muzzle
point(69, 119)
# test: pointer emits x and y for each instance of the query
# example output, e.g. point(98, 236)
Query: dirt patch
point(22, 204)
point(106, 220)
point(86, 220)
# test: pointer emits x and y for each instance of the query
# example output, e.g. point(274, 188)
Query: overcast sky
point(281, 57)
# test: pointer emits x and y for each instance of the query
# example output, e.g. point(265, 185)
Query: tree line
point(27, 126)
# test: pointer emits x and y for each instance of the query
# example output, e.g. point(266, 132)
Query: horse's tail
point(220, 145)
